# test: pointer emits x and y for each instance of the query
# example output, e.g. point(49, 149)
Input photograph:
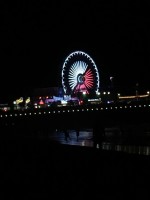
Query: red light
point(41, 102)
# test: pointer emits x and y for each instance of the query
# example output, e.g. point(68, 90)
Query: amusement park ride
point(80, 84)
point(80, 74)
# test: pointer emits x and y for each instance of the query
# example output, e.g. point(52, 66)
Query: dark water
point(114, 139)
point(46, 166)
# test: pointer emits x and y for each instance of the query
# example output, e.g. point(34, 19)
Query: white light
point(77, 67)
point(63, 102)
point(98, 93)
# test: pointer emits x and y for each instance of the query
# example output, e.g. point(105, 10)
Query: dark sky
point(37, 36)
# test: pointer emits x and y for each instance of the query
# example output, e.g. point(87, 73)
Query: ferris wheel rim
point(88, 57)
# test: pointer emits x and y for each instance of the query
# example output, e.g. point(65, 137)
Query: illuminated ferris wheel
point(80, 74)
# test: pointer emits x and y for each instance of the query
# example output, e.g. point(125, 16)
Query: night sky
point(37, 36)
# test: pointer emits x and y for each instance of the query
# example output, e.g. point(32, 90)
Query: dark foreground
point(35, 168)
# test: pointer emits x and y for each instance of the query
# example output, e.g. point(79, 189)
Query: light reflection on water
point(134, 149)
point(119, 144)
point(113, 146)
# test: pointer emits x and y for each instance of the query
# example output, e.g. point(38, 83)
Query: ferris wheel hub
point(80, 79)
